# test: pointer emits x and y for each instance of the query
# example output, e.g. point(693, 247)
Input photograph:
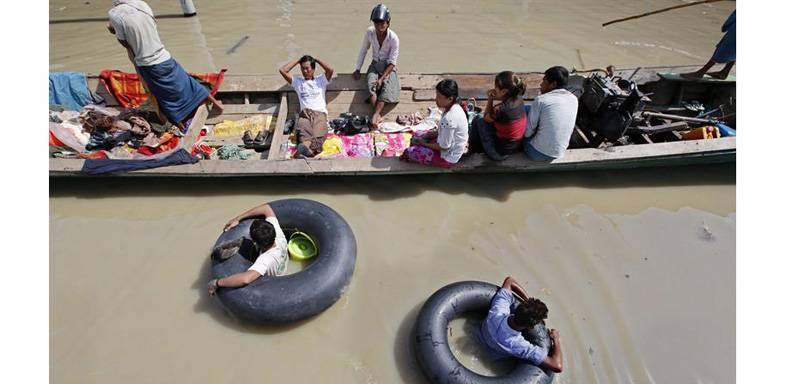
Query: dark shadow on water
point(385, 188)
point(403, 353)
point(212, 307)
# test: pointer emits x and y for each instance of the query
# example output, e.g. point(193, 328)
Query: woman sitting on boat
point(381, 77)
point(500, 131)
point(311, 126)
point(444, 147)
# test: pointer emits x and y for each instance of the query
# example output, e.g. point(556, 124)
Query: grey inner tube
point(431, 337)
point(282, 299)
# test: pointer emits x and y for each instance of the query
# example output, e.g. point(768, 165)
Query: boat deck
point(247, 95)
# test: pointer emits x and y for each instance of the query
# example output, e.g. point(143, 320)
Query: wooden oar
point(661, 11)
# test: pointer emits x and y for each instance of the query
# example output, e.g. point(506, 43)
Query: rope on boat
point(232, 152)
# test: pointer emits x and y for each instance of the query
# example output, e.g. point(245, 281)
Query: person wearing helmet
point(381, 78)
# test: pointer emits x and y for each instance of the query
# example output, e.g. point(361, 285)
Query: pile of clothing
point(351, 135)
point(365, 145)
point(413, 122)
point(409, 119)
point(101, 132)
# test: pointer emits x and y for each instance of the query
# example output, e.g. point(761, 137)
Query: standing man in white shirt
point(311, 125)
point(551, 118)
point(176, 94)
point(381, 77)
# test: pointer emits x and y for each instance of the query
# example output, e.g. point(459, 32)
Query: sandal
point(247, 139)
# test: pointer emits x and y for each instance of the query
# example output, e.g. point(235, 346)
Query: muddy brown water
point(637, 267)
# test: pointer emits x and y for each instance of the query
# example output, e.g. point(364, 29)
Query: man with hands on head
point(311, 125)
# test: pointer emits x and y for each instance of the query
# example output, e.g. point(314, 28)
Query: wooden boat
point(247, 95)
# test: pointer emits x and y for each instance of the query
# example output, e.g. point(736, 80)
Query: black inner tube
point(281, 299)
point(431, 337)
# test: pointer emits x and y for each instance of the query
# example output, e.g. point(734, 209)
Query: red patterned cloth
point(129, 91)
point(167, 142)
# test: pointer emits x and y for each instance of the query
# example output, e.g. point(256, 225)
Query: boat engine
point(606, 107)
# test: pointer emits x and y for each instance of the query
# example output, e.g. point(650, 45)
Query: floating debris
point(237, 45)
point(705, 233)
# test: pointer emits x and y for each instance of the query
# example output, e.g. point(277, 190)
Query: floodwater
point(457, 36)
point(637, 267)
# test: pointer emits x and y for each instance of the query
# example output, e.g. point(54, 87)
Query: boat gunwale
point(715, 150)
point(711, 150)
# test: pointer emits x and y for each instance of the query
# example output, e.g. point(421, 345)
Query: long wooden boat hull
point(245, 95)
point(632, 156)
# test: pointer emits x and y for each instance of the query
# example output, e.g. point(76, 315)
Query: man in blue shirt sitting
point(502, 330)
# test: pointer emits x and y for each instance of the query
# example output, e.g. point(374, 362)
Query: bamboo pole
point(680, 118)
point(660, 11)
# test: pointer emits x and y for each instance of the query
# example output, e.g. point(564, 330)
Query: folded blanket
point(337, 146)
point(254, 124)
point(129, 91)
point(360, 145)
point(391, 144)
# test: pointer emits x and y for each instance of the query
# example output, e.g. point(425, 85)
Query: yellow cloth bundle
point(332, 147)
point(254, 124)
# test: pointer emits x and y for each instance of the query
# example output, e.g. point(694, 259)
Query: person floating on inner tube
point(501, 331)
point(381, 77)
point(272, 244)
